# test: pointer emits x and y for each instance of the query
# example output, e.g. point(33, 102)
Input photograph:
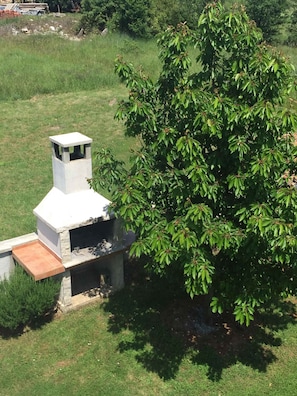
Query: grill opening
point(89, 237)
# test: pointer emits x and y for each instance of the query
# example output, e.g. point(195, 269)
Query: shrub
point(23, 301)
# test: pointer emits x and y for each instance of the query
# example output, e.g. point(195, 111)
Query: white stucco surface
point(68, 211)
point(70, 139)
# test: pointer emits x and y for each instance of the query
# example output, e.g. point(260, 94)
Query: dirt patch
point(191, 321)
point(188, 320)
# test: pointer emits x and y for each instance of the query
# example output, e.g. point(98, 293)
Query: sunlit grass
point(47, 64)
point(50, 85)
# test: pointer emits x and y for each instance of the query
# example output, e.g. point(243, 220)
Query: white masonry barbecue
point(75, 227)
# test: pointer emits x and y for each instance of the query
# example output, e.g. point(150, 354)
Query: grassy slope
point(46, 64)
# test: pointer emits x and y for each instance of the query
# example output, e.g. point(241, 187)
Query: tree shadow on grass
point(163, 327)
point(138, 309)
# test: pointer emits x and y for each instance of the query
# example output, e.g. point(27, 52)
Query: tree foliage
point(97, 14)
point(210, 193)
point(127, 16)
point(172, 12)
point(137, 17)
point(292, 37)
point(62, 5)
point(269, 15)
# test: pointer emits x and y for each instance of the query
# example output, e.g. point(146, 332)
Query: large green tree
point(269, 15)
point(210, 193)
point(139, 18)
point(292, 28)
point(127, 16)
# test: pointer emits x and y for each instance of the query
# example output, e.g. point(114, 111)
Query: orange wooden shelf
point(39, 261)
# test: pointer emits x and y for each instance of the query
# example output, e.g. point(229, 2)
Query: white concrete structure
point(77, 238)
point(71, 203)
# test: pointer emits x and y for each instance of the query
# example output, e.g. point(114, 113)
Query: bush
point(23, 301)
point(98, 15)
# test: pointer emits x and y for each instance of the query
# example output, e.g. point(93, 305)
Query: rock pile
point(57, 24)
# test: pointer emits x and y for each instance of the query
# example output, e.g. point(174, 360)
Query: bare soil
point(220, 332)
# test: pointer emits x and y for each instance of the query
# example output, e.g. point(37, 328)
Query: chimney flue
point(72, 162)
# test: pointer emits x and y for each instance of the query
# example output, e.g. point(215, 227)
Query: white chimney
point(71, 203)
point(72, 162)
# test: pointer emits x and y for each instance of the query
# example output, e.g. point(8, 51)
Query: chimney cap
point(70, 139)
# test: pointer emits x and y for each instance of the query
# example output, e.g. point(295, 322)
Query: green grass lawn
point(133, 343)
point(47, 64)
point(125, 346)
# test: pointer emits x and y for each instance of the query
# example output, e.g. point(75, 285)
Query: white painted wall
point(49, 237)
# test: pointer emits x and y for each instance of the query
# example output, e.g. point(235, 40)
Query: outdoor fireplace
point(76, 231)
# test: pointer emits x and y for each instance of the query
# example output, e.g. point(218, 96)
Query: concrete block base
point(85, 284)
